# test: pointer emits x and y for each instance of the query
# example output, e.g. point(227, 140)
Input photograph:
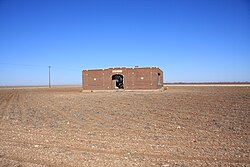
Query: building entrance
point(117, 81)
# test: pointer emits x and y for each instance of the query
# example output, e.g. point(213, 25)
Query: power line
point(28, 65)
point(35, 65)
point(68, 69)
point(49, 69)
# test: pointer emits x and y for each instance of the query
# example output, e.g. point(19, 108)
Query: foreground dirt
point(184, 126)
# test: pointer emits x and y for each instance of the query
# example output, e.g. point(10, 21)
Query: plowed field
point(183, 126)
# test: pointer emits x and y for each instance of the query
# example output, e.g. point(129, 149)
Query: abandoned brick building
point(122, 78)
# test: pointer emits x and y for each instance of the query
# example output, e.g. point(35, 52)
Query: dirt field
point(184, 126)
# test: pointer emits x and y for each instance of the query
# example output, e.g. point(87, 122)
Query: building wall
point(133, 78)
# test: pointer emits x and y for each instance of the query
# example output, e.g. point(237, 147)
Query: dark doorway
point(117, 81)
point(159, 79)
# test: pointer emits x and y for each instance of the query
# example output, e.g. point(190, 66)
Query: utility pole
point(49, 76)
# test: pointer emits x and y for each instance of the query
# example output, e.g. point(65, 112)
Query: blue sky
point(191, 41)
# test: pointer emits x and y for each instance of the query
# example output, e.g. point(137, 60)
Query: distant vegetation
point(208, 83)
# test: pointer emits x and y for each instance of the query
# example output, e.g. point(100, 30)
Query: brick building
point(122, 78)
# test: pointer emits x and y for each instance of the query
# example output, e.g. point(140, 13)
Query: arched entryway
point(117, 81)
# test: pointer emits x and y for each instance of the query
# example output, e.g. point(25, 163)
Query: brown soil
point(183, 126)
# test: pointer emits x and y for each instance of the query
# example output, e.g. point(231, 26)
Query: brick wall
point(133, 78)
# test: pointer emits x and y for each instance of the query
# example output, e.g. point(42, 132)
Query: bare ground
point(183, 126)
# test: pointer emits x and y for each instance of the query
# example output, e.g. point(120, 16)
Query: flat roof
point(118, 68)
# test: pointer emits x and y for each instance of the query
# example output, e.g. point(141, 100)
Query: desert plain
point(182, 126)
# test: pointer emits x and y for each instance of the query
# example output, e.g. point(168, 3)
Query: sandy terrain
point(183, 126)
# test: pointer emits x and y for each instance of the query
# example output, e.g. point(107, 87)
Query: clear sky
point(190, 40)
